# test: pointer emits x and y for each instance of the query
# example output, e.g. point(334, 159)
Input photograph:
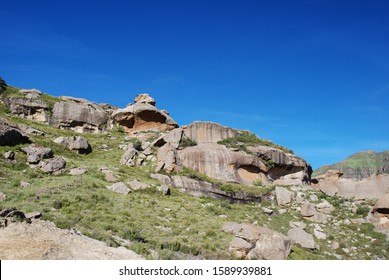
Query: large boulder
point(208, 132)
point(219, 162)
point(79, 115)
point(10, 135)
point(284, 196)
point(143, 115)
point(75, 143)
point(168, 159)
point(266, 244)
point(29, 108)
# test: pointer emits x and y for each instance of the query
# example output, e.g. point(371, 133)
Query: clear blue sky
point(309, 75)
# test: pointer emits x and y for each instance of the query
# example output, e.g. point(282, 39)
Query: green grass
point(246, 139)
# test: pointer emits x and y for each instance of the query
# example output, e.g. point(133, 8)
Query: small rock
point(34, 215)
point(78, 171)
point(267, 211)
point(3, 196)
point(313, 197)
point(319, 234)
point(119, 188)
point(335, 245)
point(110, 177)
point(282, 211)
point(25, 184)
point(347, 251)
point(164, 189)
point(137, 185)
point(325, 207)
point(347, 222)
point(10, 155)
point(308, 209)
point(53, 166)
point(358, 221)
point(300, 225)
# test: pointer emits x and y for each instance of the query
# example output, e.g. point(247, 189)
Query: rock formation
point(31, 108)
point(79, 115)
point(11, 135)
point(143, 115)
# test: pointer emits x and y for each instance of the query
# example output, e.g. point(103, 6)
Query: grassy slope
point(173, 226)
point(363, 160)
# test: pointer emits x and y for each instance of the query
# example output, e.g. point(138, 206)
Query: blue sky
point(309, 75)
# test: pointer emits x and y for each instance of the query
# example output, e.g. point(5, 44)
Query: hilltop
point(360, 165)
point(133, 178)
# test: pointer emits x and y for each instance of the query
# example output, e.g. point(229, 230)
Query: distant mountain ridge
point(360, 165)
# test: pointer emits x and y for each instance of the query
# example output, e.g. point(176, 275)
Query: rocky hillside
point(360, 165)
point(133, 178)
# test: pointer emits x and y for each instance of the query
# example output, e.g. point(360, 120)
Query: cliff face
point(360, 165)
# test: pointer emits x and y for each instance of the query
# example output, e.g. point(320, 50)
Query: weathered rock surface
point(266, 244)
point(79, 115)
point(32, 109)
point(200, 188)
point(42, 240)
point(300, 236)
point(137, 185)
point(208, 132)
point(333, 183)
point(284, 196)
point(129, 156)
point(168, 159)
point(119, 188)
point(36, 153)
point(382, 205)
point(75, 143)
point(308, 209)
point(53, 166)
point(78, 171)
point(11, 135)
point(143, 115)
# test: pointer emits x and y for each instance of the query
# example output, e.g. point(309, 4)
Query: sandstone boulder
point(284, 196)
point(79, 115)
point(129, 156)
point(143, 115)
point(308, 209)
point(303, 238)
point(75, 143)
point(32, 109)
point(168, 159)
point(240, 247)
point(208, 132)
point(10, 135)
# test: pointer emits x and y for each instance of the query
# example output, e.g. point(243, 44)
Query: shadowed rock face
point(32, 109)
point(10, 135)
point(79, 115)
point(143, 115)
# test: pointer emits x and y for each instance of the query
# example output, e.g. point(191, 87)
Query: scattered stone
point(308, 209)
point(282, 211)
point(335, 245)
point(34, 215)
point(53, 166)
point(137, 185)
point(129, 156)
point(10, 155)
point(325, 207)
point(25, 184)
point(318, 218)
point(303, 238)
point(231, 227)
point(36, 153)
point(78, 171)
point(267, 211)
point(3, 196)
point(319, 234)
point(358, 221)
point(164, 190)
point(300, 225)
point(284, 197)
point(119, 188)
point(313, 197)
point(75, 143)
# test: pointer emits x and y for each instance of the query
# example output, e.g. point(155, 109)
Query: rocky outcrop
point(143, 115)
point(198, 188)
point(29, 107)
point(333, 183)
point(218, 162)
point(258, 243)
point(208, 132)
point(79, 115)
point(42, 240)
point(11, 135)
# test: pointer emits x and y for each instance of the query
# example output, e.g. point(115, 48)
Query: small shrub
point(363, 210)
point(187, 142)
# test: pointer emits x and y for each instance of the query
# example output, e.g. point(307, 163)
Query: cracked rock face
point(143, 115)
